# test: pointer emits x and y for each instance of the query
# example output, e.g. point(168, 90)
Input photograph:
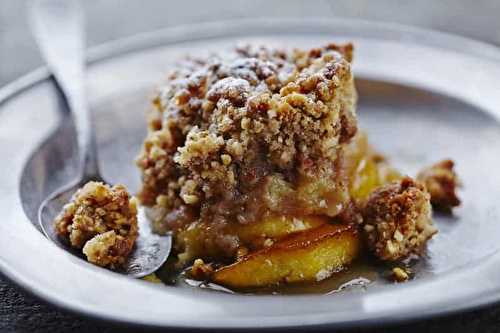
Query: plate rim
point(154, 39)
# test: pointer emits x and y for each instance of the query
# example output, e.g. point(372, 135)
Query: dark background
point(111, 19)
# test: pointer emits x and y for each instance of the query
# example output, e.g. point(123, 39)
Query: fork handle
point(58, 27)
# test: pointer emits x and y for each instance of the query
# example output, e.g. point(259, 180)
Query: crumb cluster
point(442, 182)
point(102, 221)
point(397, 220)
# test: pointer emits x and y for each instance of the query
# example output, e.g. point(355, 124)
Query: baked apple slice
point(275, 227)
point(366, 169)
point(311, 255)
point(196, 243)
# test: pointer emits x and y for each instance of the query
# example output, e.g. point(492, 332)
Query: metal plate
point(423, 96)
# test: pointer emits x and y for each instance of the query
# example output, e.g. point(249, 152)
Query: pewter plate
point(424, 96)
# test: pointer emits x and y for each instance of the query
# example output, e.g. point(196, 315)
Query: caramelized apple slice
point(311, 255)
point(366, 169)
point(275, 227)
point(195, 243)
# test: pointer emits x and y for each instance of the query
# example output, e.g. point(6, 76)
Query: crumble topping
point(397, 220)
point(102, 221)
point(224, 127)
point(442, 182)
point(107, 249)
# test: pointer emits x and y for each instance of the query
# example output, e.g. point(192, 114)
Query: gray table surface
point(111, 19)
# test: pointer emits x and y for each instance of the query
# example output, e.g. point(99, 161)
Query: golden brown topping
point(397, 220)
point(442, 182)
point(107, 249)
point(103, 221)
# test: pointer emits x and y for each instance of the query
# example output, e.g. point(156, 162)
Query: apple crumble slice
point(254, 161)
point(238, 137)
point(442, 182)
point(102, 221)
